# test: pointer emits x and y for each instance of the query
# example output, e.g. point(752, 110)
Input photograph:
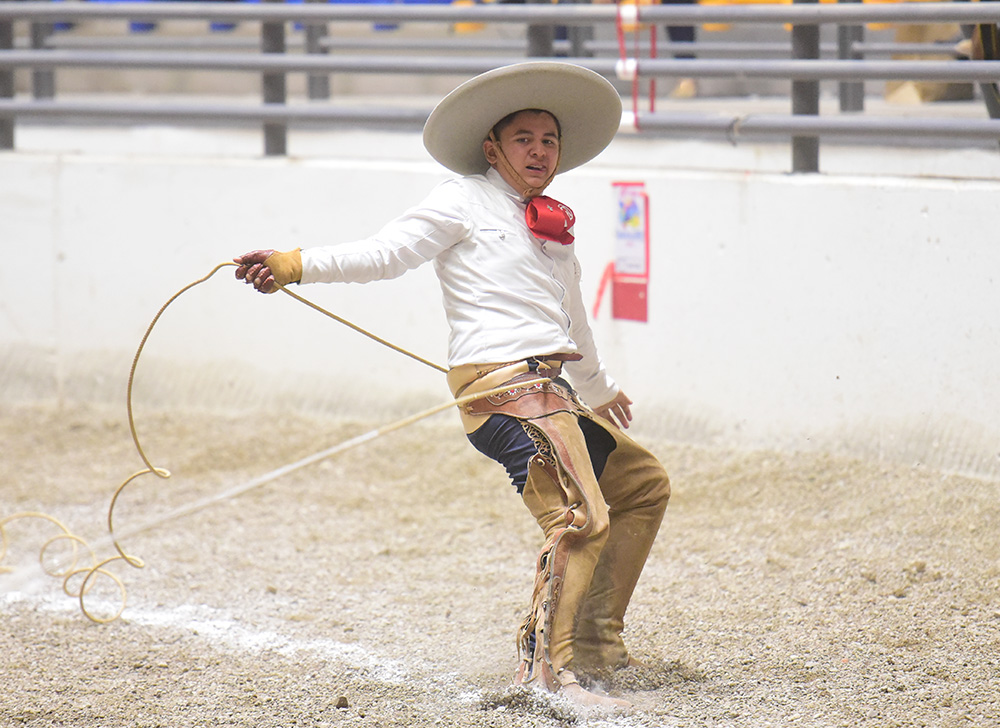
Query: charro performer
point(504, 255)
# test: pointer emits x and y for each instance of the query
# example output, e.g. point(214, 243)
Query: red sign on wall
point(629, 273)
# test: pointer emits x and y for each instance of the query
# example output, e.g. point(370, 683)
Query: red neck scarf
point(550, 220)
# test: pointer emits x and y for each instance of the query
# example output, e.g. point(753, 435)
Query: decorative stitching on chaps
point(544, 459)
point(534, 635)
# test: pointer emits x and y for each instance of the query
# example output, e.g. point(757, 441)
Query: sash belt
point(537, 400)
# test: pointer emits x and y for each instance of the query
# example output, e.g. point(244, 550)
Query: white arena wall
point(858, 315)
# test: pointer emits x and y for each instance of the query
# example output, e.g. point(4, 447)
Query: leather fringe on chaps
point(535, 636)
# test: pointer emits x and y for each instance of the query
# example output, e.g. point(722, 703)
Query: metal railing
point(805, 69)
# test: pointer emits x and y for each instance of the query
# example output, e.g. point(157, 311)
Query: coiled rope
point(87, 574)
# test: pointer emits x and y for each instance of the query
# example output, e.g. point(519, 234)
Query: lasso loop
point(99, 570)
point(70, 571)
point(74, 540)
point(88, 575)
point(135, 362)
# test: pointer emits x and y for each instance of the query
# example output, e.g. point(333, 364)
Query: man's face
point(530, 140)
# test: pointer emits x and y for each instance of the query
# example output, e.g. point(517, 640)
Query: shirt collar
point(500, 183)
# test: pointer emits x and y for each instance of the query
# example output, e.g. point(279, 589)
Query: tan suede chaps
point(598, 533)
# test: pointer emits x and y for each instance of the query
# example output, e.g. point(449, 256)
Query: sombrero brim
point(587, 106)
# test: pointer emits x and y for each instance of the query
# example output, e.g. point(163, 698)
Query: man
point(503, 254)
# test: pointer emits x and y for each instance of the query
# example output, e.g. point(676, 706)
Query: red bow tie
point(549, 219)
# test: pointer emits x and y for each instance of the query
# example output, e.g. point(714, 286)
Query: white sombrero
point(587, 106)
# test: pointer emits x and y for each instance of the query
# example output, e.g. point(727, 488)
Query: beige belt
point(471, 378)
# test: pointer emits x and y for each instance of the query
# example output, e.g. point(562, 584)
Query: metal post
point(6, 84)
point(579, 37)
point(272, 40)
point(43, 81)
point(318, 84)
point(540, 37)
point(805, 96)
point(852, 93)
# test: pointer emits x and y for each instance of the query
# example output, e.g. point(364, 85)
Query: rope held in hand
point(99, 568)
point(300, 299)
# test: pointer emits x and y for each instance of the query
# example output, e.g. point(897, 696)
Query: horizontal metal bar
point(311, 13)
point(885, 49)
point(254, 62)
point(435, 45)
point(750, 48)
point(772, 125)
point(146, 41)
point(698, 47)
point(733, 127)
point(215, 41)
point(854, 13)
point(816, 70)
point(555, 14)
point(843, 70)
point(382, 42)
point(127, 112)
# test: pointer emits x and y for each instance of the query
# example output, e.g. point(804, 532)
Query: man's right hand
point(264, 268)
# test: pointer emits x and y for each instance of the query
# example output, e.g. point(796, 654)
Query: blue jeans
point(502, 438)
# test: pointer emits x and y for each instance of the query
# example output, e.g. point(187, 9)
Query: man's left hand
point(618, 411)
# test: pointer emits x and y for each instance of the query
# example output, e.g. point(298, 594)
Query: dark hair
point(505, 122)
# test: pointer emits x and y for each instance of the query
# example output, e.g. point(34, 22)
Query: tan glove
point(285, 267)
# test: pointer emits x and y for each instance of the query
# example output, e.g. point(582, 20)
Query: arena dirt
point(382, 587)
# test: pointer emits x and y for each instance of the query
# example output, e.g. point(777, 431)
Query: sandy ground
point(382, 587)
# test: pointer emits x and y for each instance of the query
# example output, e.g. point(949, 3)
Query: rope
point(90, 573)
point(300, 299)
point(99, 568)
point(360, 330)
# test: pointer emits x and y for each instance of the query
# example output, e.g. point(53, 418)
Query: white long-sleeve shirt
point(507, 295)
